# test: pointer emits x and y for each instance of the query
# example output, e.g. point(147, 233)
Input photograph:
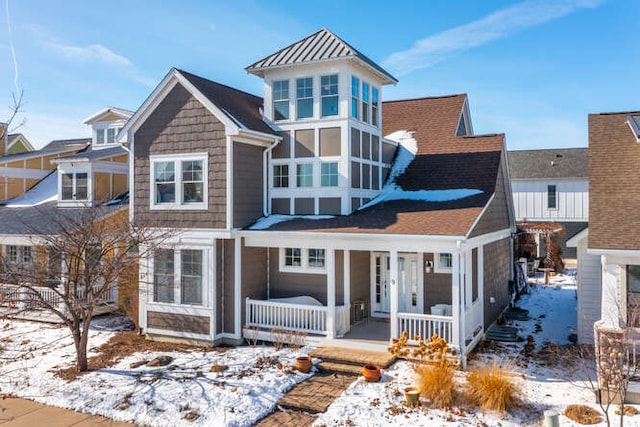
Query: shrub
point(436, 384)
point(582, 414)
point(491, 388)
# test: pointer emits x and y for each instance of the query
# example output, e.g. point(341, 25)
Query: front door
point(409, 284)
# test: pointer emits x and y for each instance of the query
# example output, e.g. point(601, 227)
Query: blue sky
point(532, 69)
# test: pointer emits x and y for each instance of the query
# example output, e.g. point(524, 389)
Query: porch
point(22, 303)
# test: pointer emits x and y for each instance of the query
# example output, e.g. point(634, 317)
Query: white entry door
point(409, 284)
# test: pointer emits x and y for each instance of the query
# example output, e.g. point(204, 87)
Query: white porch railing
point(425, 325)
point(296, 317)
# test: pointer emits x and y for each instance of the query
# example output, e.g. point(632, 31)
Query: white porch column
point(468, 278)
point(613, 299)
point(455, 298)
point(481, 283)
point(331, 292)
point(393, 295)
point(237, 287)
point(346, 280)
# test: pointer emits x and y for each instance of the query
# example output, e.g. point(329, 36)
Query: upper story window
point(107, 135)
point(74, 186)
point(329, 95)
point(281, 100)
point(304, 98)
point(179, 183)
point(304, 175)
point(355, 97)
point(329, 174)
point(375, 99)
point(19, 255)
point(281, 176)
point(552, 197)
point(365, 102)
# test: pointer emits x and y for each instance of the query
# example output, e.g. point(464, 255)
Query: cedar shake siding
point(228, 286)
point(247, 184)
point(496, 216)
point(360, 273)
point(254, 275)
point(614, 183)
point(285, 285)
point(437, 286)
point(181, 125)
point(178, 322)
point(497, 267)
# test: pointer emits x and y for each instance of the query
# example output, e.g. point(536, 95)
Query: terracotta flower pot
point(371, 373)
point(303, 364)
point(412, 395)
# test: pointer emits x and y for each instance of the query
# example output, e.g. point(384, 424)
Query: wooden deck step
point(340, 368)
point(350, 356)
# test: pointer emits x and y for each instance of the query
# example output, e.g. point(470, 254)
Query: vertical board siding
point(589, 281)
point(530, 200)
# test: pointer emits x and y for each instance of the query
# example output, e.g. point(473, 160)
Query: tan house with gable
point(318, 205)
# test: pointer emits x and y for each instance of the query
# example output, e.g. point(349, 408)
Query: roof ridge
point(218, 83)
point(454, 95)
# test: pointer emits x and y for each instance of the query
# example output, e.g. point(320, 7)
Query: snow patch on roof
point(267, 221)
point(407, 149)
point(43, 192)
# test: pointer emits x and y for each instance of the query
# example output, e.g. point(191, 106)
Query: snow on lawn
point(159, 396)
point(541, 387)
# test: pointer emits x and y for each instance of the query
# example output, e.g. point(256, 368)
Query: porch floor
point(371, 329)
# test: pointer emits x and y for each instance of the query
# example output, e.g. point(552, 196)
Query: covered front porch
point(364, 295)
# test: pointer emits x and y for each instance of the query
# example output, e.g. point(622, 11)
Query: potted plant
point(412, 395)
point(303, 364)
point(371, 373)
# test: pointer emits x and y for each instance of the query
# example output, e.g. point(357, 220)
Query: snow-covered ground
point(187, 392)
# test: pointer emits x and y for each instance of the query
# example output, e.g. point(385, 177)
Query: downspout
point(265, 177)
point(268, 273)
point(222, 284)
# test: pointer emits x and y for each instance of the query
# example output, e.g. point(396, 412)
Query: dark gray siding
point(496, 217)
point(437, 286)
point(178, 322)
point(284, 285)
point(247, 184)
point(330, 205)
point(254, 275)
point(497, 268)
point(181, 125)
point(360, 272)
point(228, 286)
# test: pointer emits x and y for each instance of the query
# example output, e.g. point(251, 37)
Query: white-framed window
point(329, 95)
point(19, 255)
point(355, 97)
point(179, 182)
point(75, 186)
point(365, 102)
point(304, 175)
point(302, 260)
point(444, 263)
point(375, 103)
point(329, 174)
point(178, 271)
point(304, 98)
point(552, 197)
point(107, 135)
point(281, 176)
point(280, 93)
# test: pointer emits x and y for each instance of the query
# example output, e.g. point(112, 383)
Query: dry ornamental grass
point(582, 414)
point(492, 388)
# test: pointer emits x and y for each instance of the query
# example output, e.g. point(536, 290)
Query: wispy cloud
point(97, 53)
point(433, 49)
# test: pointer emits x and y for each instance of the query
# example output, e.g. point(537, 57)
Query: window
point(100, 136)
point(365, 102)
point(111, 135)
point(191, 277)
point(374, 106)
point(304, 175)
point(280, 176)
point(633, 295)
point(444, 263)
point(329, 95)
point(281, 100)
point(74, 186)
point(552, 197)
point(355, 97)
point(107, 135)
point(180, 183)
point(299, 260)
point(304, 98)
point(189, 281)
point(12, 254)
point(329, 174)
point(19, 254)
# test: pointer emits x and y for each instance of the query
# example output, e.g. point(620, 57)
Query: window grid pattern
point(304, 98)
point(281, 176)
point(304, 175)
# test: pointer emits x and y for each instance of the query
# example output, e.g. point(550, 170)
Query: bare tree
point(15, 108)
point(78, 267)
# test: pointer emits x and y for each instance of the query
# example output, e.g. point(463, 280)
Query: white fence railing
point(425, 325)
point(22, 298)
point(295, 317)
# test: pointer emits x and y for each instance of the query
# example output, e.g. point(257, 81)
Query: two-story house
point(293, 208)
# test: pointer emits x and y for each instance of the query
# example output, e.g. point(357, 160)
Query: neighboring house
point(292, 209)
point(614, 215)
point(17, 143)
point(551, 186)
point(69, 176)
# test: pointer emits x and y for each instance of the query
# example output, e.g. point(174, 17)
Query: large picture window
point(329, 95)
point(180, 183)
point(304, 98)
point(178, 271)
point(281, 100)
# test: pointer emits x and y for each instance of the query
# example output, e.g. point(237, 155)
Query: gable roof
point(91, 155)
point(241, 107)
point(442, 163)
point(320, 46)
point(14, 138)
point(555, 163)
point(54, 147)
point(122, 113)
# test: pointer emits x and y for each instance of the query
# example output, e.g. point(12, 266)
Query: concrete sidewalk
point(26, 413)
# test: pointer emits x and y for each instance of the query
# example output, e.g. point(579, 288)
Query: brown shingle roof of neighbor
point(320, 46)
point(555, 163)
point(242, 107)
point(443, 162)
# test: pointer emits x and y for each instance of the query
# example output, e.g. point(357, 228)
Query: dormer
point(105, 125)
point(325, 98)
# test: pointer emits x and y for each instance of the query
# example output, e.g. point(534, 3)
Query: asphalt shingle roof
point(554, 163)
